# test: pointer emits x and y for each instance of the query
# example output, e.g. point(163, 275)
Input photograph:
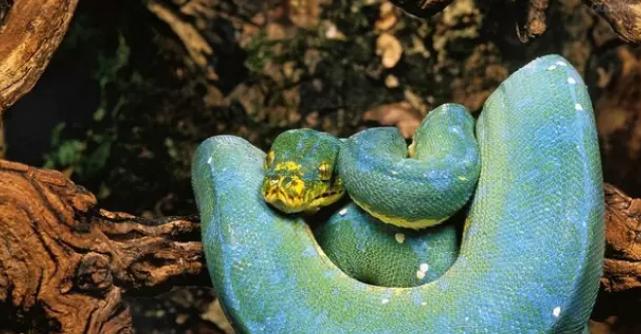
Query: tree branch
point(623, 15)
point(30, 31)
point(622, 265)
point(62, 255)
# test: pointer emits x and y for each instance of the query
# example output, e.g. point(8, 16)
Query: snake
point(408, 187)
point(531, 248)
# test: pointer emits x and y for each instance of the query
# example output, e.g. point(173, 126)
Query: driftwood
point(65, 260)
point(30, 32)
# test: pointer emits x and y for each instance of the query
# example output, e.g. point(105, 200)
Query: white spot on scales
point(422, 270)
point(571, 81)
point(400, 237)
point(556, 312)
point(384, 301)
point(342, 212)
point(578, 107)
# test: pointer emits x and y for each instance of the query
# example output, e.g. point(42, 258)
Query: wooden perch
point(623, 15)
point(622, 265)
point(63, 257)
point(67, 261)
point(30, 31)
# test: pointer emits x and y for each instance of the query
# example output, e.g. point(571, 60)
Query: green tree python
point(531, 250)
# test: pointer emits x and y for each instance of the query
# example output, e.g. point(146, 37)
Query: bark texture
point(30, 32)
point(536, 19)
point(623, 15)
point(65, 260)
point(622, 265)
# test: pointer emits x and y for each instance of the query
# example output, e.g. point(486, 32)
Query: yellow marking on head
point(288, 166)
point(269, 159)
point(291, 193)
point(296, 185)
point(400, 222)
point(324, 171)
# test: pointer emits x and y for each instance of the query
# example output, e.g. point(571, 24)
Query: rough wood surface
point(30, 32)
point(536, 20)
point(623, 15)
point(622, 265)
point(65, 260)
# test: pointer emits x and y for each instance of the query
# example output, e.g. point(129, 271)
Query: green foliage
point(135, 154)
point(88, 158)
point(68, 152)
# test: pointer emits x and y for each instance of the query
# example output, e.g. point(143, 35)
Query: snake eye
point(325, 171)
point(269, 159)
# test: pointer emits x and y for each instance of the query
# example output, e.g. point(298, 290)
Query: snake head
point(300, 171)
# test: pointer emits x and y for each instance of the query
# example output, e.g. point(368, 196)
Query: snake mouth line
point(284, 201)
point(328, 194)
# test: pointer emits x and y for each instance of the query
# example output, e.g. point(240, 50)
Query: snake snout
point(285, 192)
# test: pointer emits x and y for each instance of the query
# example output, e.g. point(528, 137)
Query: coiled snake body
point(530, 255)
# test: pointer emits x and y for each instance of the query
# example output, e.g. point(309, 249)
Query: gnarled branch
point(623, 15)
point(30, 31)
point(64, 257)
point(622, 265)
